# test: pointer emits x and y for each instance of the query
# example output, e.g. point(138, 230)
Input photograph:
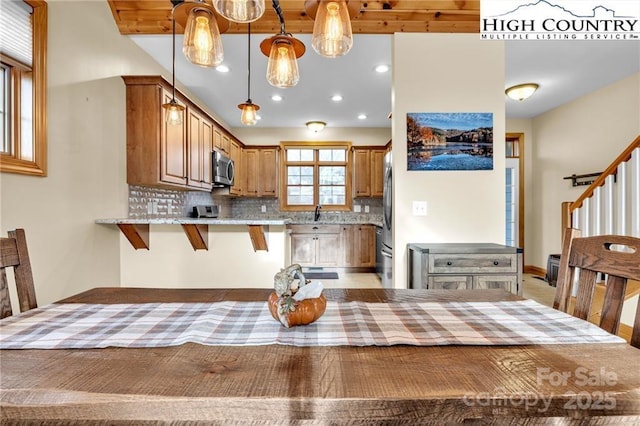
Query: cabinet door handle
point(449, 263)
point(315, 227)
point(495, 262)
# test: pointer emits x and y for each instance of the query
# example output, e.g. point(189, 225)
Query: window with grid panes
point(316, 174)
point(23, 37)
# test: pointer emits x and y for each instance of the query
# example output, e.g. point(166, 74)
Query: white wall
point(446, 73)
point(583, 136)
point(273, 136)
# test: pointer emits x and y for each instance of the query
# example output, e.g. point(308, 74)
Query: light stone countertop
point(192, 221)
point(232, 221)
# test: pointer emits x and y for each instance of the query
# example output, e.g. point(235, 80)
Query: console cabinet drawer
point(472, 263)
point(460, 266)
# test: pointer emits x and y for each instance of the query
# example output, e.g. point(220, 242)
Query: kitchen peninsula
point(137, 230)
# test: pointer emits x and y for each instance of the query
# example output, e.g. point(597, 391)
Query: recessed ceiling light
point(223, 68)
point(362, 117)
point(258, 117)
point(382, 68)
point(276, 98)
point(336, 98)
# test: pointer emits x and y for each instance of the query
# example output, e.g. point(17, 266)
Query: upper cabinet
point(172, 156)
point(239, 169)
point(368, 171)
point(200, 137)
point(221, 141)
point(261, 171)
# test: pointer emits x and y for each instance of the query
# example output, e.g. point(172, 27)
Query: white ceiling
point(565, 70)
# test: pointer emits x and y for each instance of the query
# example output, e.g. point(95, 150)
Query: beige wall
point(431, 73)
point(229, 262)
point(583, 136)
point(86, 139)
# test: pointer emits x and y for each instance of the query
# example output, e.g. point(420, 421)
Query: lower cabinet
point(464, 266)
point(316, 245)
point(333, 245)
point(359, 242)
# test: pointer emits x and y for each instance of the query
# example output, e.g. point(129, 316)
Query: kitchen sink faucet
point(316, 215)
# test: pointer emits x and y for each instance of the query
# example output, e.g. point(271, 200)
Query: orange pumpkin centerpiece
point(289, 310)
point(305, 311)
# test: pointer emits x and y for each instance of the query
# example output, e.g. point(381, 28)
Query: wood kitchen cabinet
point(261, 171)
point(200, 138)
point(163, 155)
point(465, 266)
point(368, 171)
point(359, 244)
point(156, 151)
point(316, 245)
point(239, 169)
point(221, 141)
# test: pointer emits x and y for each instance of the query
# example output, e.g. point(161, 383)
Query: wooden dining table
point(397, 384)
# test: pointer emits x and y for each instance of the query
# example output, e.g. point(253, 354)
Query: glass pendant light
point(173, 110)
point(202, 42)
point(249, 115)
point(282, 68)
point(283, 51)
point(242, 11)
point(332, 34)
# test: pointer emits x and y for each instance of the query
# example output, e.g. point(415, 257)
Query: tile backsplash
point(153, 203)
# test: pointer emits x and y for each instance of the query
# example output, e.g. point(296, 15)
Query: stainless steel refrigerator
point(387, 237)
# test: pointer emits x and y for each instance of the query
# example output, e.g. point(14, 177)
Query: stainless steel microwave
point(223, 169)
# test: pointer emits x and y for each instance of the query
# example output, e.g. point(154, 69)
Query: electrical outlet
point(366, 209)
point(263, 209)
point(357, 208)
point(149, 207)
point(419, 208)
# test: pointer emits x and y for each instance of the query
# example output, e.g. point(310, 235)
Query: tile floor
point(534, 288)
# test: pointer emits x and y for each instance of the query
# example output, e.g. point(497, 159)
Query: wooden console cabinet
point(464, 266)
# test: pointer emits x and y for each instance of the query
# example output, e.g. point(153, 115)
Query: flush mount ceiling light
point(315, 126)
point(249, 115)
point(521, 91)
point(332, 35)
point(241, 11)
point(283, 51)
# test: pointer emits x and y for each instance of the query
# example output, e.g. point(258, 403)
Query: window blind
point(16, 31)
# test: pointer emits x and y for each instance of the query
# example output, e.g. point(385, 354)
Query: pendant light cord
point(276, 7)
point(173, 54)
point(249, 63)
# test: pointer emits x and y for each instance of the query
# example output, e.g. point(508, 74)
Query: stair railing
point(611, 204)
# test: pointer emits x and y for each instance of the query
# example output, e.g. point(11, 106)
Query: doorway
point(514, 196)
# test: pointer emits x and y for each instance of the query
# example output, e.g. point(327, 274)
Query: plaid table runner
point(71, 326)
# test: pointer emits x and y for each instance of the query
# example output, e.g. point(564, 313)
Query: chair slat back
point(14, 253)
point(616, 256)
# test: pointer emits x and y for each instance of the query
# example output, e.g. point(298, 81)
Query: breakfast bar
point(196, 230)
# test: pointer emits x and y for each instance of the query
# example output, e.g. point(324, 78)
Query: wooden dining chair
point(615, 256)
point(14, 253)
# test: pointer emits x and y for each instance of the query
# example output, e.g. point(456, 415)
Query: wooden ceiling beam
point(375, 17)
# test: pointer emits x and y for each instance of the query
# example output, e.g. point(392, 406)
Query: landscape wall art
point(450, 141)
